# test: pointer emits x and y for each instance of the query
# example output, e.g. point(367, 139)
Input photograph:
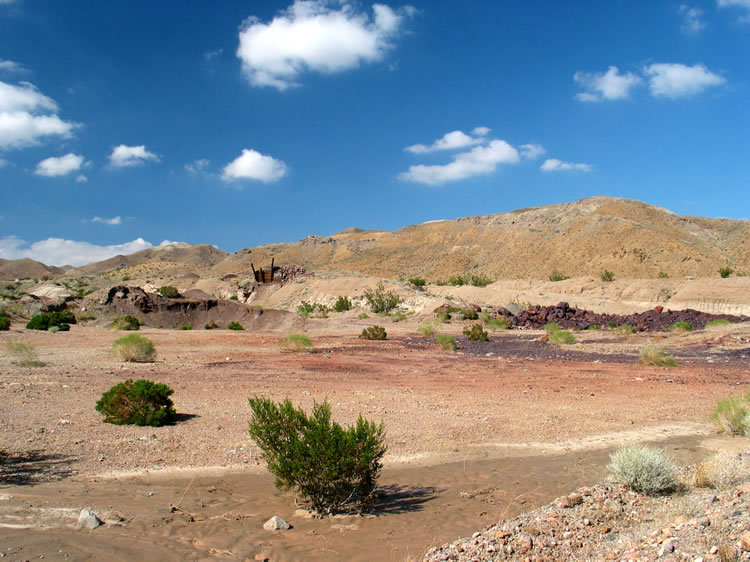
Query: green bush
point(457, 281)
point(46, 319)
point(373, 333)
point(428, 329)
point(297, 342)
point(169, 291)
point(312, 310)
point(186, 327)
point(552, 327)
point(134, 348)
point(498, 323)
point(59, 328)
point(655, 355)
point(469, 313)
point(476, 333)
point(732, 415)
point(607, 276)
point(397, 316)
point(418, 281)
point(561, 337)
point(644, 470)
point(362, 315)
point(381, 300)
point(480, 280)
point(680, 327)
point(626, 329)
point(233, 298)
point(663, 275)
point(717, 322)
point(342, 304)
point(4, 323)
point(447, 342)
point(23, 354)
point(126, 323)
point(725, 272)
point(142, 402)
point(210, 325)
point(332, 468)
point(235, 326)
point(557, 276)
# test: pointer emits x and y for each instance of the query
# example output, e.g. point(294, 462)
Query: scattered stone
point(276, 523)
point(88, 520)
point(745, 541)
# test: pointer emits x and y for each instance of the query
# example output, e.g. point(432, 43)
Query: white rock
point(276, 523)
point(88, 520)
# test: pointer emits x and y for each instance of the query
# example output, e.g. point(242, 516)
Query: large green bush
point(645, 470)
point(126, 323)
point(169, 291)
point(4, 323)
point(46, 320)
point(381, 300)
point(332, 468)
point(142, 402)
point(134, 348)
point(342, 304)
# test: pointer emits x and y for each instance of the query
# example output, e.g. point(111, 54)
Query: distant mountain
point(20, 269)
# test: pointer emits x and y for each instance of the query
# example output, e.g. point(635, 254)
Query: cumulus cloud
point(674, 80)
point(323, 36)
point(27, 116)
point(58, 251)
point(692, 22)
point(254, 166)
point(480, 160)
point(531, 151)
point(114, 221)
point(610, 85)
point(555, 165)
point(11, 66)
point(61, 166)
point(82, 179)
point(196, 166)
point(127, 156)
point(452, 141)
point(744, 5)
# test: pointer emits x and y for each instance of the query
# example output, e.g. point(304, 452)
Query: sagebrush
point(381, 300)
point(141, 402)
point(333, 469)
point(447, 342)
point(342, 304)
point(169, 291)
point(643, 469)
point(476, 333)
point(373, 333)
point(657, 356)
point(126, 323)
point(134, 348)
point(732, 415)
point(297, 342)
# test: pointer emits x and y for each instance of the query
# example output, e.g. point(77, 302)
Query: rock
point(745, 541)
point(611, 506)
point(88, 520)
point(575, 499)
point(525, 543)
point(666, 547)
point(276, 523)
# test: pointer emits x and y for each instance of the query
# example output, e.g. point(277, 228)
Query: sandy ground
point(515, 414)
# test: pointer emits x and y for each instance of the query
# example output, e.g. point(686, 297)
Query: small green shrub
point(297, 342)
point(381, 300)
point(186, 327)
point(717, 322)
point(680, 327)
point(46, 319)
point(23, 354)
point(210, 325)
point(332, 468)
point(418, 281)
point(447, 342)
point(142, 402)
point(442, 317)
point(592, 327)
point(397, 316)
point(362, 315)
point(476, 333)
point(134, 348)
point(557, 276)
point(59, 328)
point(645, 470)
point(663, 275)
point(725, 272)
point(234, 298)
point(561, 337)
point(655, 355)
point(234, 326)
point(498, 323)
point(169, 291)
point(84, 316)
point(342, 304)
point(469, 314)
point(732, 415)
point(4, 323)
point(457, 281)
point(428, 329)
point(126, 323)
point(480, 280)
point(373, 333)
point(607, 276)
point(552, 327)
point(625, 329)
point(312, 310)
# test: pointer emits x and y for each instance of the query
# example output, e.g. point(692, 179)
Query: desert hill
point(19, 269)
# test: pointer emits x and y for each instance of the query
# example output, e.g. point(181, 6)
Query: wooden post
point(271, 270)
point(255, 275)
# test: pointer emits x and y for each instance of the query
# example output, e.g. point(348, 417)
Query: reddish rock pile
point(654, 320)
point(289, 272)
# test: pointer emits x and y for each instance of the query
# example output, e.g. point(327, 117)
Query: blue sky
point(126, 124)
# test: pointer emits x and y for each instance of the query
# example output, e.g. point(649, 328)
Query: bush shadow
point(179, 418)
point(30, 467)
point(402, 499)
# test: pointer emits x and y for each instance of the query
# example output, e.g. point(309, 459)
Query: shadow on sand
point(31, 467)
point(402, 499)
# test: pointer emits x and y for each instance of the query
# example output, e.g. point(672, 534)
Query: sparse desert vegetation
point(645, 470)
point(134, 348)
point(373, 333)
point(140, 402)
point(297, 342)
point(656, 356)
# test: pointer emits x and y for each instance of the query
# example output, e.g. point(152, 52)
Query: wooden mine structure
point(266, 275)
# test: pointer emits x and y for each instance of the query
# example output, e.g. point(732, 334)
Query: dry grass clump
point(428, 329)
point(23, 354)
point(643, 469)
point(732, 415)
point(720, 471)
point(134, 348)
point(558, 336)
point(655, 355)
point(297, 342)
point(447, 342)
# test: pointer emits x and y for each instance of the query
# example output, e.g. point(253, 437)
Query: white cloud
point(58, 251)
point(213, 54)
point(610, 85)
point(555, 165)
point(480, 160)
point(3, 163)
point(11, 66)
point(127, 156)
point(692, 21)
point(255, 166)
point(531, 151)
point(323, 36)
point(61, 166)
point(196, 166)
point(114, 221)
point(82, 179)
point(742, 4)
point(27, 116)
point(674, 80)
point(452, 141)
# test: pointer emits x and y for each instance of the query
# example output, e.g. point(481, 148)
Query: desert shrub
point(480, 280)
point(418, 281)
point(592, 327)
point(4, 323)
point(725, 272)
point(297, 342)
point(23, 354)
point(210, 325)
point(428, 329)
point(442, 317)
point(447, 342)
point(552, 327)
point(732, 415)
point(234, 298)
point(59, 328)
point(46, 319)
point(643, 469)
point(381, 300)
point(562, 337)
point(720, 471)
point(332, 468)
point(362, 315)
point(717, 322)
point(469, 313)
point(142, 402)
point(84, 316)
point(499, 323)
point(126, 323)
point(457, 281)
point(607, 276)
point(235, 326)
point(476, 333)
point(626, 329)
point(557, 276)
point(169, 291)
point(655, 355)
point(373, 333)
point(342, 304)
point(312, 310)
point(397, 316)
point(680, 327)
point(134, 348)
point(663, 275)
point(186, 327)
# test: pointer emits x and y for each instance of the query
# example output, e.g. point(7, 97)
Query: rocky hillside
point(23, 268)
